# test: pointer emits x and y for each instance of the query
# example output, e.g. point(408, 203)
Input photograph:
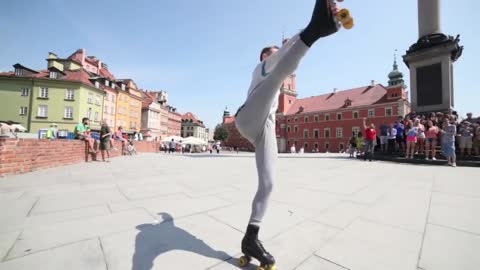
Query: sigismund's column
point(430, 61)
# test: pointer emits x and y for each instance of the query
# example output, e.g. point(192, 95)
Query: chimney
point(372, 83)
point(52, 56)
point(335, 90)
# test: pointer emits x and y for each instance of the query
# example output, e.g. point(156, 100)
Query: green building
point(63, 94)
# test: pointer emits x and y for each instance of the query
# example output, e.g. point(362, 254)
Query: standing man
point(383, 137)
point(172, 146)
point(52, 132)
point(255, 119)
point(370, 138)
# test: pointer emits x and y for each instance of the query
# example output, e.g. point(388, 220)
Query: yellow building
point(129, 106)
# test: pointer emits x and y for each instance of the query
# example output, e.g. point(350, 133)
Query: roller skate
point(343, 17)
point(253, 248)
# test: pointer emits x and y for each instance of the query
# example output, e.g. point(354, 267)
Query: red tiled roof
point(189, 115)
point(105, 73)
point(147, 99)
point(362, 96)
point(80, 75)
point(229, 120)
point(8, 73)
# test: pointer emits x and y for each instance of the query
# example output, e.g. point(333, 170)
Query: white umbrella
point(175, 138)
point(194, 141)
point(18, 127)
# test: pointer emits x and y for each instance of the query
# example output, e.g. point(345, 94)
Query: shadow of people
point(156, 239)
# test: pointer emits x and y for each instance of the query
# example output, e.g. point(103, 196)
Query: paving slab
point(317, 263)
point(190, 212)
point(455, 211)
point(447, 249)
point(37, 239)
point(78, 256)
point(195, 242)
point(367, 245)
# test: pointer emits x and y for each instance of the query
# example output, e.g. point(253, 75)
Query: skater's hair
point(267, 49)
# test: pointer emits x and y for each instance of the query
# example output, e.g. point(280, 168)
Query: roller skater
point(255, 119)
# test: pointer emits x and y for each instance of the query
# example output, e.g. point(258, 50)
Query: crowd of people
point(421, 136)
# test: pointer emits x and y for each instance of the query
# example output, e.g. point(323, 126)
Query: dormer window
point(53, 75)
point(348, 103)
point(107, 83)
point(97, 84)
point(18, 72)
point(113, 86)
point(123, 87)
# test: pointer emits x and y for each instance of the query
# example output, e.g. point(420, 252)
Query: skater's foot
point(253, 248)
point(322, 24)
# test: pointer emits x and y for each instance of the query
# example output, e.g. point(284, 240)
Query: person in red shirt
point(370, 139)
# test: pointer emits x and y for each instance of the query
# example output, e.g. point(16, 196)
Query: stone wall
point(26, 155)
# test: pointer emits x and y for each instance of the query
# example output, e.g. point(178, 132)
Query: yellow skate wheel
point(348, 24)
point(343, 15)
point(268, 267)
point(243, 261)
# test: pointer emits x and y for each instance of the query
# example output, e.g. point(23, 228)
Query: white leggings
point(255, 124)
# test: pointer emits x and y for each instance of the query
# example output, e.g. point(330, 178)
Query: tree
point(221, 133)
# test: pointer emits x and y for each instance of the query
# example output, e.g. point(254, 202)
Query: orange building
point(129, 106)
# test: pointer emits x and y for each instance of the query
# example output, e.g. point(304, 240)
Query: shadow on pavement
point(155, 239)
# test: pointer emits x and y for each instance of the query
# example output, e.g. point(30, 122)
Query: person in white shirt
point(255, 120)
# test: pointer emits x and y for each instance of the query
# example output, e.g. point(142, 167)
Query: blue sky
point(203, 52)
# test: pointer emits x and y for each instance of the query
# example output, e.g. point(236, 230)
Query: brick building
point(326, 122)
point(174, 122)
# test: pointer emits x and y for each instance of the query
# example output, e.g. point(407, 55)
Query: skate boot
point(253, 248)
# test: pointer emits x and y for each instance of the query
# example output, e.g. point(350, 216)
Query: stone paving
point(158, 211)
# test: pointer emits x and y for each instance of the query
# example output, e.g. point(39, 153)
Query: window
point(289, 101)
point(123, 87)
point(295, 129)
point(90, 99)
point(296, 119)
point(68, 112)
point(126, 99)
point(327, 117)
point(339, 116)
point(42, 111)
point(388, 111)
point(305, 146)
point(105, 110)
point(120, 97)
point(305, 133)
point(316, 133)
point(327, 132)
point(25, 92)
point(371, 113)
point(70, 94)
point(339, 132)
point(316, 118)
point(288, 128)
point(355, 130)
point(53, 75)
point(89, 113)
point(44, 92)
point(18, 72)
point(112, 110)
point(355, 115)
point(107, 83)
point(96, 117)
point(23, 110)
point(342, 147)
point(316, 146)
point(327, 146)
point(289, 120)
point(306, 119)
point(97, 84)
point(97, 100)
